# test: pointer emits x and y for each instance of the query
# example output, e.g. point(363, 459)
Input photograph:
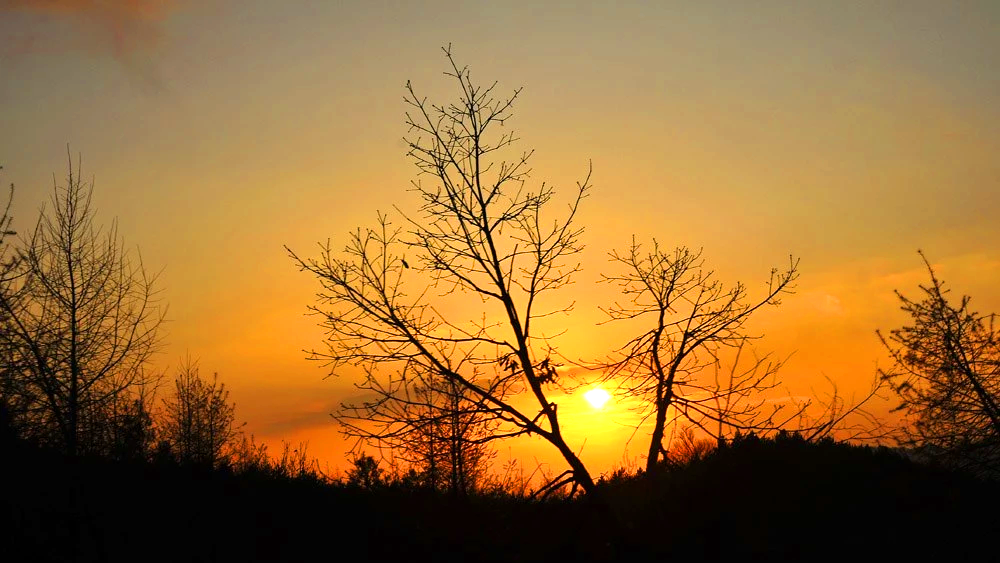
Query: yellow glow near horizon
point(597, 397)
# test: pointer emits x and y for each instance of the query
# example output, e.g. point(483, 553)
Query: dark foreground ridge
point(782, 499)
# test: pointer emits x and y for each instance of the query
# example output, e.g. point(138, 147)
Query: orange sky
point(847, 134)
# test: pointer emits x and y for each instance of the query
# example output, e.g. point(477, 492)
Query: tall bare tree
point(482, 243)
point(198, 418)
point(687, 320)
point(946, 372)
point(80, 323)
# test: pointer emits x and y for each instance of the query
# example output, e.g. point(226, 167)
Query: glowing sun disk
point(597, 397)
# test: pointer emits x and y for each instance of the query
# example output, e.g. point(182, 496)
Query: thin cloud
point(121, 28)
point(307, 420)
point(128, 31)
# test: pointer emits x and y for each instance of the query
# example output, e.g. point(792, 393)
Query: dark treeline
point(780, 498)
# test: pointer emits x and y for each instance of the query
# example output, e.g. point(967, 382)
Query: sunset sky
point(849, 134)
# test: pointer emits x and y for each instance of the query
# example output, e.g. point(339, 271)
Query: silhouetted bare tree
point(481, 243)
point(11, 398)
point(80, 321)
point(688, 318)
point(687, 447)
point(446, 437)
point(946, 371)
point(365, 473)
point(457, 453)
point(198, 419)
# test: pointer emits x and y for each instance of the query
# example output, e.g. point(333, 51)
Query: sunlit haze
point(847, 134)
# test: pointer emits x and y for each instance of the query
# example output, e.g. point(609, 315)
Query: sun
point(597, 397)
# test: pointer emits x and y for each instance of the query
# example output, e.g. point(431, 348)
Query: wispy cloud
point(120, 28)
point(128, 31)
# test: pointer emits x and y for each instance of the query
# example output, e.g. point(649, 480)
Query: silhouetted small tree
point(80, 323)
point(688, 319)
point(946, 371)
point(693, 365)
point(687, 447)
point(198, 419)
point(434, 428)
point(454, 444)
point(365, 473)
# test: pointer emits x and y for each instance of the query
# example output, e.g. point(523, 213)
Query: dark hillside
point(781, 499)
point(792, 500)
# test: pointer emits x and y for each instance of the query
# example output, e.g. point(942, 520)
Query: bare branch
point(480, 240)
